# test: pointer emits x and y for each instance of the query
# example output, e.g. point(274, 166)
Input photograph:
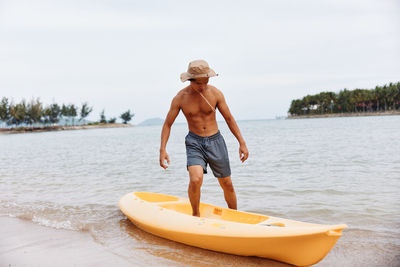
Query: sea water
point(328, 171)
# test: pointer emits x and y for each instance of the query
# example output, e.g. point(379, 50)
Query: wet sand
point(24, 243)
point(157, 248)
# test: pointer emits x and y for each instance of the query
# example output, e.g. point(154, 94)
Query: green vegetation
point(382, 98)
point(112, 120)
point(34, 114)
point(52, 114)
point(85, 110)
point(127, 116)
point(102, 117)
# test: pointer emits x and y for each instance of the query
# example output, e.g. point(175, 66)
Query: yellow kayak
point(230, 231)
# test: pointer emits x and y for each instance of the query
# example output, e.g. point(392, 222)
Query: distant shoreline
point(352, 114)
point(61, 128)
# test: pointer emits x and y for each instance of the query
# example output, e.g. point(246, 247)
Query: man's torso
point(200, 117)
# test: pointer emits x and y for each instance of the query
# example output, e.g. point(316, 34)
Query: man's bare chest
point(197, 106)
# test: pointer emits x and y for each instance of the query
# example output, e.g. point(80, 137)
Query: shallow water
point(330, 171)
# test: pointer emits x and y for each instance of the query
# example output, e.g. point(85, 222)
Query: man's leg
point(196, 180)
point(229, 192)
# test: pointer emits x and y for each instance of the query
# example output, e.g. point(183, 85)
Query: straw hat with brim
point(198, 69)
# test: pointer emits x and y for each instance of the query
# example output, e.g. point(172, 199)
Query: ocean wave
point(76, 218)
point(58, 224)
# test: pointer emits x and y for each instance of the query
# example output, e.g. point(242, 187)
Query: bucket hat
point(198, 69)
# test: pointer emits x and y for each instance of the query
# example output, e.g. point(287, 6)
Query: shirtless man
point(204, 143)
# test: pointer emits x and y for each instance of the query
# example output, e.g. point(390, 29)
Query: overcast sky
point(121, 55)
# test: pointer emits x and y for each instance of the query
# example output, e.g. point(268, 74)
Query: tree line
point(34, 112)
point(381, 98)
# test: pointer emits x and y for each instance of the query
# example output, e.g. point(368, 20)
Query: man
point(204, 143)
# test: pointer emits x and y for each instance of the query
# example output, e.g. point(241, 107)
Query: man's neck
point(198, 91)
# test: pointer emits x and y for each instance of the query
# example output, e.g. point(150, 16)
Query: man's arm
point(166, 129)
point(225, 112)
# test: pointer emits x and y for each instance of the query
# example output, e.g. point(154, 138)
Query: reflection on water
point(188, 255)
point(328, 171)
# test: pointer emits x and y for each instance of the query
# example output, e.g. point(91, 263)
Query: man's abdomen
point(205, 126)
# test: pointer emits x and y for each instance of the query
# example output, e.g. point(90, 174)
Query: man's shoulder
point(215, 90)
point(181, 93)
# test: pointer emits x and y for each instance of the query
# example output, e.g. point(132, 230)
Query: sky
point(119, 55)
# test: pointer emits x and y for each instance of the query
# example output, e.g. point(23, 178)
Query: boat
point(230, 231)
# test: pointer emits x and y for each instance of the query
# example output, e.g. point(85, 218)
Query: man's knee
point(195, 181)
point(196, 175)
point(226, 184)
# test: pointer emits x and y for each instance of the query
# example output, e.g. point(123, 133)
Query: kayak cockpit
point(155, 197)
point(214, 212)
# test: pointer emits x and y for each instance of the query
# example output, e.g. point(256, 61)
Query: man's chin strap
point(213, 109)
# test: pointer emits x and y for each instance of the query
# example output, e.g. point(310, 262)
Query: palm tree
point(398, 94)
point(55, 112)
point(72, 112)
point(46, 115)
point(344, 101)
point(85, 111)
point(102, 117)
point(64, 112)
point(375, 94)
point(4, 111)
point(385, 94)
point(392, 95)
point(17, 113)
point(34, 111)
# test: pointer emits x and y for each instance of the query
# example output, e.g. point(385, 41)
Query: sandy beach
point(26, 244)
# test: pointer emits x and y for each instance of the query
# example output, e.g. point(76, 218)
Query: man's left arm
point(225, 112)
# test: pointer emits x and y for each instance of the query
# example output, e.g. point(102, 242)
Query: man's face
point(199, 84)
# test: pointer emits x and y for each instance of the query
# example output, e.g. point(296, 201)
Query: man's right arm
point(169, 120)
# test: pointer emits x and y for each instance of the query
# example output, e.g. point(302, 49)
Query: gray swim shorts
point(211, 150)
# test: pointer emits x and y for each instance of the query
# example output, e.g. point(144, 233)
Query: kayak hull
point(230, 231)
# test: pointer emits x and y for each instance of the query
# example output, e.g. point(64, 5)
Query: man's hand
point(164, 157)
point(243, 152)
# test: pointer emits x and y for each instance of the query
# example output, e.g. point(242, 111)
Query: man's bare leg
point(229, 192)
point(196, 180)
